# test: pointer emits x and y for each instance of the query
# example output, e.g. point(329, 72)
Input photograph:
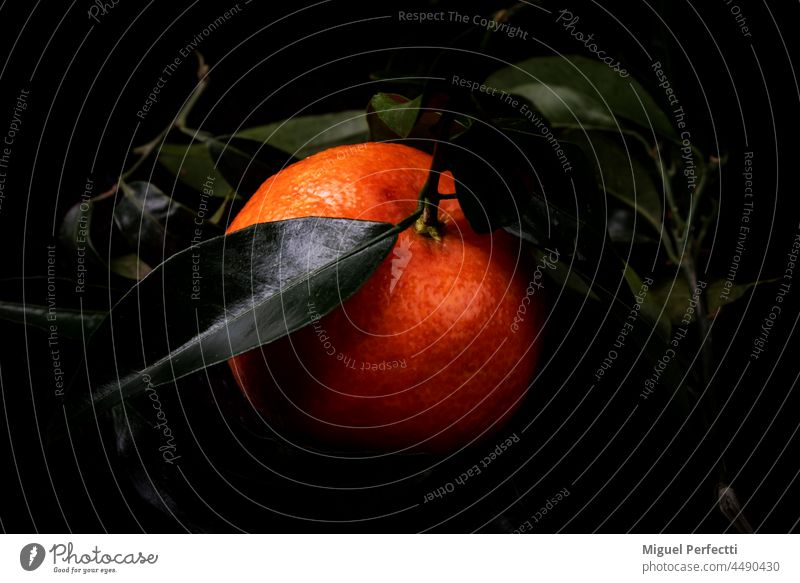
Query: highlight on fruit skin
point(433, 353)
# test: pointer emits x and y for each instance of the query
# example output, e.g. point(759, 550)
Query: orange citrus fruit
point(426, 356)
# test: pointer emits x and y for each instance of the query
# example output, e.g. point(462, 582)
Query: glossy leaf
point(228, 295)
point(574, 75)
point(194, 166)
point(154, 225)
point(85, 227)
point(302, 136)
point(75, 229)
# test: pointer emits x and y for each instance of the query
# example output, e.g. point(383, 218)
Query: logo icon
point(31, 556)
point(402, 256)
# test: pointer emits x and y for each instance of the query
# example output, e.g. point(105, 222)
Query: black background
point(86, 84)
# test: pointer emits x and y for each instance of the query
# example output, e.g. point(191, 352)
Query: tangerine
point(437, 348)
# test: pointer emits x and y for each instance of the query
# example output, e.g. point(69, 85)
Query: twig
point(179, 122)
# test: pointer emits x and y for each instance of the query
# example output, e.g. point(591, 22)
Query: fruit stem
point(425, 218)
point(428, 223)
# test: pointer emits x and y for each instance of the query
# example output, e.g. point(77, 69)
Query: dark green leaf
point(566, 108)
point(621, 174)
point(582, 246)
point(154, 225)
point(714, 294)
point(596, 82)
point(422, 133)
point(130, 266)
point(566, 277)
point(246, 164)
point(498, 168)
point(650, 309)
point(302, 136)
point(78, 229)
point(396, 112)
point(674, 295)
point(651, 345)
point(536, 188)
point(71, 323)
point(228, 295)
point(545, 225)
point(194, 167)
